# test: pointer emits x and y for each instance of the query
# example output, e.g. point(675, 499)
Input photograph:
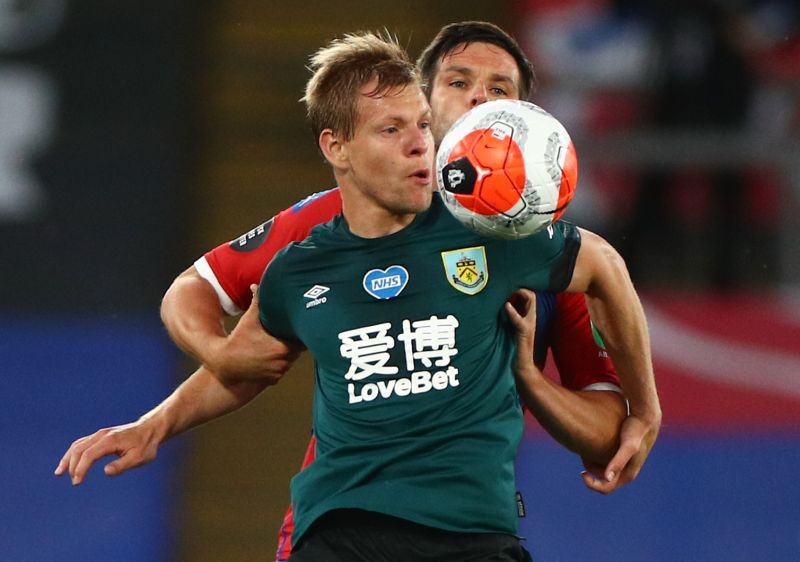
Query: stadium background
point(135, 136)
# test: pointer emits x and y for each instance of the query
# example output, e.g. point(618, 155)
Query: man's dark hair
point(463, 34)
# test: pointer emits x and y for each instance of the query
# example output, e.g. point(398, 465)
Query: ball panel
point(500, 194)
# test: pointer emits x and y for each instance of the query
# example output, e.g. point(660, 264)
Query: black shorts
point(353, 535)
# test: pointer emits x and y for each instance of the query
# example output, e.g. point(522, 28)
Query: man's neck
point(368, 220)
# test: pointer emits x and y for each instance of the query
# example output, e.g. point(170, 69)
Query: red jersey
point(562, 320)
point(232, 267)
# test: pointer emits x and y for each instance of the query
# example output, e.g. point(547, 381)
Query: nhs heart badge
point(386, 283)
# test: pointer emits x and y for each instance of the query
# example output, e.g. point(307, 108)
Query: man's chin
point(422, 202)
point(427, 201)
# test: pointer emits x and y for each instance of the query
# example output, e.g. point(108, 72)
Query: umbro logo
point(316, 293)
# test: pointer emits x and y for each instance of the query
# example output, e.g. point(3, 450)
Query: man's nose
point(479, 95)
point(419, 143)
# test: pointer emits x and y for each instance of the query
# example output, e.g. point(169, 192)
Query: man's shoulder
point(315, 209)
point(329, 199)
point(320, 239)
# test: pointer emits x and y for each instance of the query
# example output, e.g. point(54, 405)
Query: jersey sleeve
point(272, 310)
point(233, 266)
point(545, 261)
point(580, 357)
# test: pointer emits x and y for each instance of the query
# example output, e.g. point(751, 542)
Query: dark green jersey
point(415, 410)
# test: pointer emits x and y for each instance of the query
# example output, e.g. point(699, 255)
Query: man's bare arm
point(201, 398)
point(615, 308)
point(204, 396)
point(585, 422)
point(194, 318)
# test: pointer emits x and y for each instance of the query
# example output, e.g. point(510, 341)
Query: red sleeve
point(287, 528)
point(238, 264)
point(580, 359)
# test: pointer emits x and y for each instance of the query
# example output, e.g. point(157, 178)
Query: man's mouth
point(422, 174)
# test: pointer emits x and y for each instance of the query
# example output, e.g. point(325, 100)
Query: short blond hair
point(342, 68)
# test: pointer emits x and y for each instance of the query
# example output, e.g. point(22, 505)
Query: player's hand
point(250, 353)
point(637, 438)
point(134, 444)
point(521, 310)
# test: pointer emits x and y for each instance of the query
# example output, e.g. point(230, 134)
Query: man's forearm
point(585, 422)
point(200, 398)
point(616, 310)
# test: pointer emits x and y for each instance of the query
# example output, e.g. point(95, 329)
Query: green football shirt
point(416, 414)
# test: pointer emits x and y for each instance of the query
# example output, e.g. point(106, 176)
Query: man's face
point(390, 156)
point(469, 76)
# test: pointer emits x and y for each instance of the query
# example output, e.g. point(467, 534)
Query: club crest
point(466, 269)
point(385, 283)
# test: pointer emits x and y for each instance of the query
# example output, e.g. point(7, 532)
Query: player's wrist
point(157, 425)
point(649, 414)
point(526, 368)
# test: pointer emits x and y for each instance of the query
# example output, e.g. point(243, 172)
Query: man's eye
point(458, 84)
point(499, 92)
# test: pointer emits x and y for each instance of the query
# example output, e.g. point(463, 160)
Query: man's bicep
point(596, 261)
point(191, 289)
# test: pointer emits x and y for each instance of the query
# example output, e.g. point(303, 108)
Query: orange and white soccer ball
point(507, 169)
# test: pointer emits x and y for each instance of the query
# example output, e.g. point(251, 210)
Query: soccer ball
point(507, 169)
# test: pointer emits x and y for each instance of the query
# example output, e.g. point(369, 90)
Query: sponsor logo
point(249, 241)
point(385, 283)
point(316, 293)
point(466, 269)
point(427, 346)
point(420, 382)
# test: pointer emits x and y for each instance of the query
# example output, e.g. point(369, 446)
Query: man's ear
point(333, 149)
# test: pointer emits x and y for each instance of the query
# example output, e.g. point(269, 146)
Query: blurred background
point(135, 136)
